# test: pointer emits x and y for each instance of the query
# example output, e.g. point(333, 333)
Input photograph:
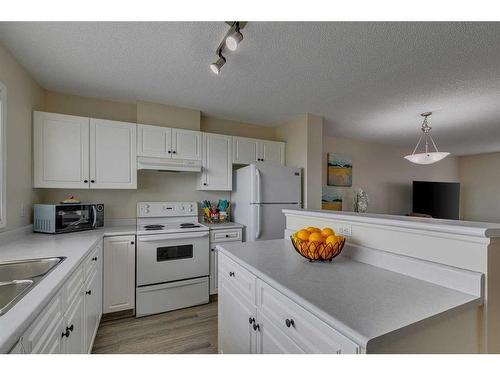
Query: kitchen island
point(400, 286)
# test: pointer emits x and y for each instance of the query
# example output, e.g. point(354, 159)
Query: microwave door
point(73, 217)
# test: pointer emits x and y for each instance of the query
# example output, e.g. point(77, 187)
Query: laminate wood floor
point(192, 331)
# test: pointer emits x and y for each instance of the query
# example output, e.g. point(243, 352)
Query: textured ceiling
point(370, 81)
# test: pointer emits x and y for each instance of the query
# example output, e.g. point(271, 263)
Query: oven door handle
point(176, 236)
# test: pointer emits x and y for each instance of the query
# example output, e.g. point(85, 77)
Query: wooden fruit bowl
point(317, 251)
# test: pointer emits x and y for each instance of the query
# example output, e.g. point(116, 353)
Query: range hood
point(166, 164)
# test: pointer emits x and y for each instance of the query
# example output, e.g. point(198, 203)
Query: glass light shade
point(426, 157)
point(233, 40)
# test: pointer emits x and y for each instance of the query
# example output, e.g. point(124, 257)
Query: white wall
point(480, 187)
point(384, 174)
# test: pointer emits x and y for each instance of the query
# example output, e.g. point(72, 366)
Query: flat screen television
point(441, 200)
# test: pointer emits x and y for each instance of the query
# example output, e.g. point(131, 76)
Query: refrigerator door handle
point(258, 223)
point(258, 186)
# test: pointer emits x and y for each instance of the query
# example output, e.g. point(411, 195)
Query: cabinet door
point(213, 269)
point(93, 308)
point(217, 168)
point(273, 152)
point(45, 335)
point(236, 334)
point(74, 339)
point(60, 151)
point(245, 150)
point(271, 340)
point(154, 141)
point(119, 273)
point(113, 159)
point(186, 144)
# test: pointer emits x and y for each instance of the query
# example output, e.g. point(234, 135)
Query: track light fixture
point(233, 39)
point(230, 42)
point(217, 66)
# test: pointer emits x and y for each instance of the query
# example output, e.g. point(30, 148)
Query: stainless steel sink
point(18, 277)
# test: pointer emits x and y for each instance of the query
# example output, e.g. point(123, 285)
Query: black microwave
point(64, 218)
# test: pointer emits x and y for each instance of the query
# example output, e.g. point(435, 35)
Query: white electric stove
point(172, 257)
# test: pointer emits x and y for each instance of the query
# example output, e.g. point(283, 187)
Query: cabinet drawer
point(233, 274)
point(308, 331)
point(92, 261)
point(225, 235)
point(73, 287)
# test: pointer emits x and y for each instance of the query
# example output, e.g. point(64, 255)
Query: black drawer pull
point(71, 327)
point(85, 181)
point(88, 292)
point(65, 334)
point(289, 323)
point(251, 320)
point(94, 259)
point(231, 273)
point(132, 243)
point(256, 327)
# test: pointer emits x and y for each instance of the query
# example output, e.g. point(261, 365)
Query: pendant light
point(428, 156)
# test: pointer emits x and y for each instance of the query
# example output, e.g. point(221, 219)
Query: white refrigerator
point(260, 193)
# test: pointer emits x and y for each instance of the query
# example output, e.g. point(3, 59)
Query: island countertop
point(365, 303)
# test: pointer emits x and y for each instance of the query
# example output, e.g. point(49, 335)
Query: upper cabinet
point(249, 150)
point(78, 152)
point(61, 151)
point(113, 156)
point(158, 141)
point(217, 166)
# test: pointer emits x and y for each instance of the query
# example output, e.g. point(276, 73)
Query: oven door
point(170, 257)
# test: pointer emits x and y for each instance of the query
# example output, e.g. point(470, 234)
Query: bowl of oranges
point(317, 244)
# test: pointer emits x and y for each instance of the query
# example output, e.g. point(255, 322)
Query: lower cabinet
point(256, 318)
point(219, 236)
point(69, 322)
point(119, 274)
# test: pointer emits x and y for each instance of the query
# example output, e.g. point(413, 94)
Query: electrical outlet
point(345, 230)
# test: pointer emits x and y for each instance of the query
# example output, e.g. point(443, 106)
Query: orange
point(313, 229)
point(327, 232)
point(331, 239)
point(316, 237)
point(302, 235)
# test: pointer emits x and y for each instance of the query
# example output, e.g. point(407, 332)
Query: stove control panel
point(166, 209)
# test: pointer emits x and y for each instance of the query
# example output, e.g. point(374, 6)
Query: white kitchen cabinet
point(113, 156)
point(219, 236)
point(250, 150)
point(93, 302)
point(246, 150)
point(119, 274)
point(61, 151)
point(217, 169)
point(186, 144)
point(279, 325)
point(236, 314)
point(81, 153)
point(73, 333)
point(272, 152)
point(162, 142)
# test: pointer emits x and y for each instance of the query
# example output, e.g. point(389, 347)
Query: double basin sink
point(17, 278)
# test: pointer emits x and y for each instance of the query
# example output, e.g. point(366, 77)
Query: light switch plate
point(345, 230)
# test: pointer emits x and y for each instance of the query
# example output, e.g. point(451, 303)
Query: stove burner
point(189, 225)
point(154, 227)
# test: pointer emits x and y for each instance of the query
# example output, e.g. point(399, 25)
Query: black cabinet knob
point(174, 152)
point(212, 249)
point(65, 334)
point(88, 292)
point(132, 242)
point(227, 235)
point(251, 320)
point(205, 184)
point(169, 151)
point(92, 181)
point(289, 323)
point(71, 327)
point(94, 259)
point(231, 273)
point(86, 181)
point(256, 327)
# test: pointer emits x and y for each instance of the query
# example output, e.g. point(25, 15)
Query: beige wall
point(384, 174)
point(23, 96)
point(480, 187)
point(241, 129)
point(303, 149)
point(168, 115)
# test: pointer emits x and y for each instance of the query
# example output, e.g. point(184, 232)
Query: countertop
point(74, 246)
point(461, 227)
point(229, 225)
point(365, 303)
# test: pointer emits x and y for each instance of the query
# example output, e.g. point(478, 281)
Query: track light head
point(232, 40)
point(217, 66)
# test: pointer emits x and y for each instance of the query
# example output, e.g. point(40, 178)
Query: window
point(3, 151)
